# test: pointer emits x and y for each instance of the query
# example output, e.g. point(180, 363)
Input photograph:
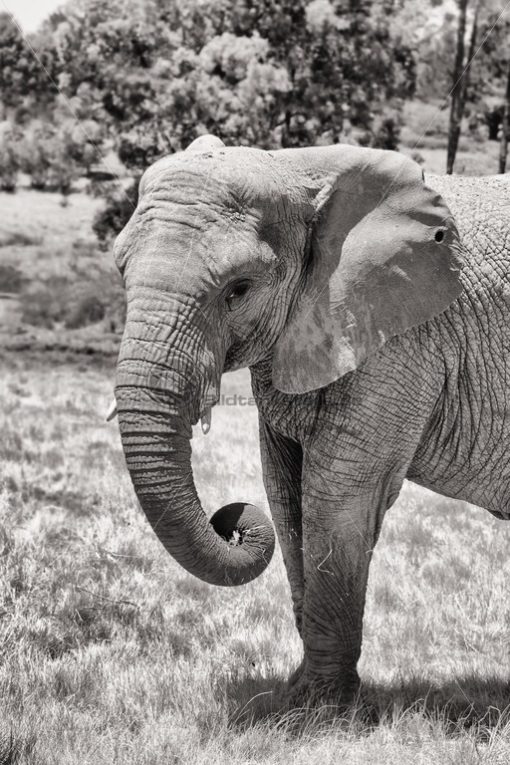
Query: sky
point(30, 13)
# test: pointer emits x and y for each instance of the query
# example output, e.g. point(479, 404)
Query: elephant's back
point(459, 189)
point(481, 208)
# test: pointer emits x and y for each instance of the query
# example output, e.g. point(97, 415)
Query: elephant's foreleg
point(352, 472)
point(282, 460)
point(339, 534)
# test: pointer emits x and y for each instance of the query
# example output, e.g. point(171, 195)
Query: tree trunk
point(460, 81)
point(503, 146)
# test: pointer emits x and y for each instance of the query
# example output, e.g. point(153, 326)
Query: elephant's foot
point(307, 690)
point(295, 678)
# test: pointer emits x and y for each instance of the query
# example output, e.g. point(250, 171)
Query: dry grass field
point(64, 292)
point(112, 654)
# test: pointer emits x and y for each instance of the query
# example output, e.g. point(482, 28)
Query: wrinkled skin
point(428, 401)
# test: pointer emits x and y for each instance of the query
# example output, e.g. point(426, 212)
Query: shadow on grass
point(255, 699)
point(463, 703)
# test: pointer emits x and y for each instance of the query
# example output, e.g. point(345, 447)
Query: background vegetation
point(110, 652)
point(104, 88)
point(138, 79)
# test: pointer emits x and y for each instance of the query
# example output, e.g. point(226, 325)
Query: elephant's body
point(457, 418)
point(333, 273)
point(432, 405)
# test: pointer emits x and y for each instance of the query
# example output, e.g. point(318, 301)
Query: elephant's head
point(310, 258)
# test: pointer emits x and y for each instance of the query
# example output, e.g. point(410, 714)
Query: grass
point(111, 653)
point(63, 290)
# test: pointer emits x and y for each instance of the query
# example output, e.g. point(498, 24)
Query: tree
point(21, 75)
point(480, 75)
point(16, 63)
point(341, 62)
point(493, 76)
point(265, 72)
point(268, 73)
point(9, 158)
point(460, 80)
point(505, 126)
point(46, 154)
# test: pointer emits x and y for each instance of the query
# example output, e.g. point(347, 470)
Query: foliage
point(430, 28)
point(49, 154)
point(266, 73)
point(489, 71)
point(21, 74)
point(9, 159)
point(11, 279)
point(145, 77)
point(263, 72)
point(27, 88)
point(120, 204)
point(386, 131)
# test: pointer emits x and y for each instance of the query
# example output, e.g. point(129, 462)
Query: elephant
point(371, 304)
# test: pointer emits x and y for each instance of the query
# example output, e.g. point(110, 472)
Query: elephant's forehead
point(204, 243)
point(228, 241)
point(233, 182)
point(204, 208)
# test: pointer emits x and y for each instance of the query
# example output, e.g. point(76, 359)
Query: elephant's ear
point(382, 257)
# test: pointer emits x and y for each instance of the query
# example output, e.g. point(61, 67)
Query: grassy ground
point(63, 290)
point(111, 653)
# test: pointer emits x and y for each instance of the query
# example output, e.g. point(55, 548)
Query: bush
point(9, 160)
point(386, 131)
point(11, 279)
point(120, 205)
point(19, 239)
point(73, 305)
point(88, 310)
point(84, 143)
point(45, 305)
point(86, 290)
point(46, 155)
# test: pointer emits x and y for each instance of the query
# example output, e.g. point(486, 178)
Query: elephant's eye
point(236, 291)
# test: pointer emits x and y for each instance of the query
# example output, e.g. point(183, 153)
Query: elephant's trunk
point(155, 406)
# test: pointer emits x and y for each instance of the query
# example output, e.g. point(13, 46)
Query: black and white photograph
point(254, 382)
